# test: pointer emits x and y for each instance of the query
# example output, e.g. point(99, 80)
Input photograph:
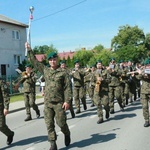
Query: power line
point(60, 11)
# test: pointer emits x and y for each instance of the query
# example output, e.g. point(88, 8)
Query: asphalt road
point(122, 131)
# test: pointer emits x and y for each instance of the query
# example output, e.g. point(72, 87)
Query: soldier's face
point(99, 65)
point(77, 65)
point(63, 65)
point(53, 62)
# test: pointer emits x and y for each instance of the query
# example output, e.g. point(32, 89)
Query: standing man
point(100, 81)
point(57, 96)
point(78, 90)
point(4, 107)
point(28, 79)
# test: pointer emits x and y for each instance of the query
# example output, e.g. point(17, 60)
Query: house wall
point(10, 47)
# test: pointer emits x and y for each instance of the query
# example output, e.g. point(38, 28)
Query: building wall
point(11, 47)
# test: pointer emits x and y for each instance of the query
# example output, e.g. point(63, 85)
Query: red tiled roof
point(40, 57)
point(65, 55)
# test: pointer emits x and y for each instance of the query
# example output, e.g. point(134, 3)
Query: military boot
point(28, 118)
point(10, 138)
point(38, 114)
point(92, 105)
point(53, 145)
point(107, 114)
point(72, 114)
point(146, 124)
point(67, 140)
point(100, 121)
point(85, 107)
point(78, 111)
point(112, 111)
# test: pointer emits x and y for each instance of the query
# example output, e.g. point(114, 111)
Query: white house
point(12, 49)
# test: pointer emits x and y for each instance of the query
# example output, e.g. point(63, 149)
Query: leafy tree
point(98, 48)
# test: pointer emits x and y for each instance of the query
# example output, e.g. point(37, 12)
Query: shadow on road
point(33, 140)
point(95, 139)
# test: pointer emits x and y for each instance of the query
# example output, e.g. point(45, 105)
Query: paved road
point(123, 131)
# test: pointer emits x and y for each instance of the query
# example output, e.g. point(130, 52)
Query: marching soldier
point(57, 96)
point(78, 89)
point(114, 85)
point(4, 109)
point(99, 81)
point(28, 79)
point(144, 76)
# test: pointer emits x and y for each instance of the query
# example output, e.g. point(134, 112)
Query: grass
point(20, 97)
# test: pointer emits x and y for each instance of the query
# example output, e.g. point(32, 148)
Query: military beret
point(52, 55)
point(147, 61)
point(98, 61)
point(121, 61)
point(62, 61)
point(111, 59)
point(92, 66)
point(76, 61)
point(28, 65)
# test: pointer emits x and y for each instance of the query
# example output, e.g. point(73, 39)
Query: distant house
point(66, 55)
point(40, 57)
point(12, 49)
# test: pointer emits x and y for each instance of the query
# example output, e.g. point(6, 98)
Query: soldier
point(144, 76)
point(78, 90)
point(57, 87)
point(4, 108)
point(114, 85)
point(99, 80)
point(63, 67)
point(28, 79)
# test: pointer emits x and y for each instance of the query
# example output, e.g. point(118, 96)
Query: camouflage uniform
point(4, 104)
point(78, 89)
point(101, 95)
point(115, 88)
point(57, 91)
point(29, 94)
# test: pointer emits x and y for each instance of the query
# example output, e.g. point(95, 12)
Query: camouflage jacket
point(28, 82)
point(4, 95)
point(57, 82)
point(105, 79)
point(78, 77)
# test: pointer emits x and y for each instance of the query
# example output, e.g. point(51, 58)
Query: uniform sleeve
point(5, 94)
point(39, 66)
point(67, 88)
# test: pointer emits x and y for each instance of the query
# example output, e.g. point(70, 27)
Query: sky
point(74, 24)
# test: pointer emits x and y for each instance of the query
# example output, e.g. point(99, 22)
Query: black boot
point(112, 111)
point(100, 121)
point(67, 140)
point(146, 124)
point(78, 111)
point(92, 105)
point(85, 107)
point(53, 145)
point(10, 138)
point(28, 118)
point(107, 114)
point(38, 114)
point(72, 114)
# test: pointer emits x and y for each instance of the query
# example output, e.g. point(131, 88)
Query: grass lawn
point(19, 97)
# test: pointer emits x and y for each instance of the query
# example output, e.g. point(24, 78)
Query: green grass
point(19, 97)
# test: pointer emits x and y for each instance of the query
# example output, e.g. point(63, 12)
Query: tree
point(130, 42)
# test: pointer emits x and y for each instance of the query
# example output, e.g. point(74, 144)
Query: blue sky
point(73, 24)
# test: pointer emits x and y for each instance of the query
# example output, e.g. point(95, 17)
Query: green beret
point(76, 61)
point(98, 61)
point(121, 61)
point(63, 62)
point(52, 55)
point(147, 61)
point(111, 59)
point(28, 65)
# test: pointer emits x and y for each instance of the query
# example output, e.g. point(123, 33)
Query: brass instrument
point(98, 83)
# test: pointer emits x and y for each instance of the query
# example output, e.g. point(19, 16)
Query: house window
point(16, 34)
point(17, 59)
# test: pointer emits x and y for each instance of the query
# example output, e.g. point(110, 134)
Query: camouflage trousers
point(115, 91)
point(29, 100)
point(101, 99)
point(79, 93)
point(52, 112)
point(145, 105)
point(3, 127)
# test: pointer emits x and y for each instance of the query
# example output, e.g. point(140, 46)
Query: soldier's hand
point(65, 106)
point(27, 46)
point(5, 112)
